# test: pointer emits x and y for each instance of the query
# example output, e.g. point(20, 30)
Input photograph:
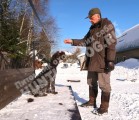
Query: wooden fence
point(8, 90)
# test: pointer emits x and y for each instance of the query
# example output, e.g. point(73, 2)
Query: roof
point(82, 54)
point(128, 40)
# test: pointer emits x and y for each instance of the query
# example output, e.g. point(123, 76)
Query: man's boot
point(92, 98)
point(105, 97)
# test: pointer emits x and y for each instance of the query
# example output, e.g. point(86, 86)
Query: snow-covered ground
point(124, 102)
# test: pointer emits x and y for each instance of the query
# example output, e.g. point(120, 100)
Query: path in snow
point(52, 107)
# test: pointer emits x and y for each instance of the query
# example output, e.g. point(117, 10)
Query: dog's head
point(60, 55)
point(57, 56)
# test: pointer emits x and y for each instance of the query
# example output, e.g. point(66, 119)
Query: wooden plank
point(76, 114)
point(9, 72)
point(73, 80)
point(8, 90)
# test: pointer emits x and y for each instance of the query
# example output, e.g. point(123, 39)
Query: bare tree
point(74, 57)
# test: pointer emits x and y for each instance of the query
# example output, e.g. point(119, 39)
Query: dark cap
point(93, 11)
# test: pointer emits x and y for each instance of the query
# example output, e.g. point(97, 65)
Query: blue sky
point(70, 16)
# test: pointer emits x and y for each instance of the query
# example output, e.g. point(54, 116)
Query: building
point(128, 44)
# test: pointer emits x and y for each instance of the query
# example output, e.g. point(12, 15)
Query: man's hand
point(109, 66)
point(67, 41)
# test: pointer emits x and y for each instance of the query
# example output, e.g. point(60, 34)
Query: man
point(100, 44)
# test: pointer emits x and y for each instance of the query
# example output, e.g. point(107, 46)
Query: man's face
point(95, 18)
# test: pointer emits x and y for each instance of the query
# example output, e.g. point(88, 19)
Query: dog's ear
point(54, 56)
point(62, 53)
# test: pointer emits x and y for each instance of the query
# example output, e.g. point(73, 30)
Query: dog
point(45, 82)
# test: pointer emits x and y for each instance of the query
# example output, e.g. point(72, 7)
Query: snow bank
point(127, 70)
